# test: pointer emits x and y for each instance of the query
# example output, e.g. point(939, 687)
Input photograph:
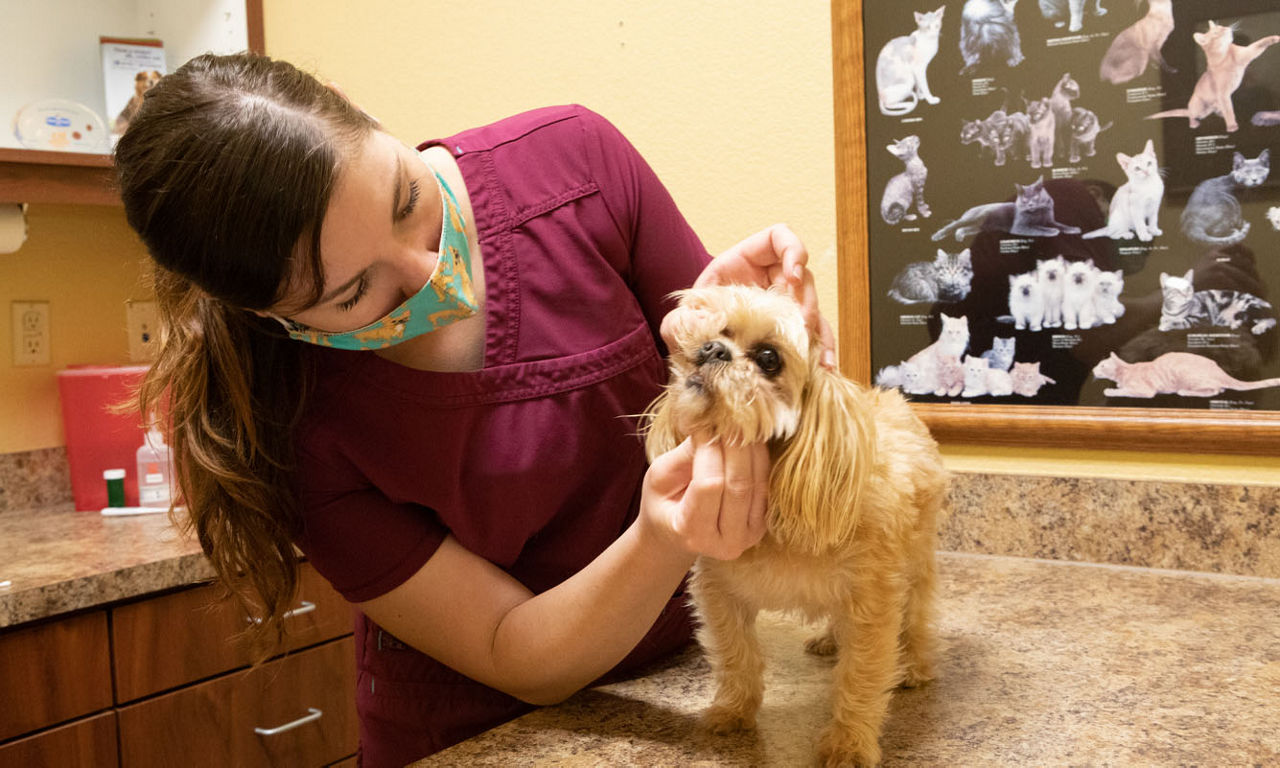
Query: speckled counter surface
point(1047, 663)
point(57, 561)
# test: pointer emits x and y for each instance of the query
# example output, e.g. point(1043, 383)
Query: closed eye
point(361, 288)
point(412, 203)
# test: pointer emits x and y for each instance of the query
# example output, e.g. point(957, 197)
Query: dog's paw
point(916, 675)
point(822, 645)
point(841, 749)
point(914, 678)
point(722, 720)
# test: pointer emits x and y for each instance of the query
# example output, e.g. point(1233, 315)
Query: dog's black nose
point(713, 350)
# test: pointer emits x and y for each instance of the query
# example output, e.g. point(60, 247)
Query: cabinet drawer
point(50, 673)
point(88, 743)
point(213, 723)
point(173, 640)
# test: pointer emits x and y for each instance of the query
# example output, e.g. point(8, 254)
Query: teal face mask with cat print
point(448, 295)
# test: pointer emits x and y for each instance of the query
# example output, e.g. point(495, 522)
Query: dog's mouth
point(695, 381)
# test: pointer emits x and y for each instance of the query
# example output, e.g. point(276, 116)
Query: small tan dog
point(855, 491)
point(142, 82)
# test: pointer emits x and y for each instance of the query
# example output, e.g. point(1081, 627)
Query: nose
point(413, 262)
point(713, 351)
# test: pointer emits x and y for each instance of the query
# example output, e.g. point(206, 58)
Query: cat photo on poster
point(1099, 175)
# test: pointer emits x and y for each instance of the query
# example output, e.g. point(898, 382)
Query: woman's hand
point(774, 256)
point(708, 498)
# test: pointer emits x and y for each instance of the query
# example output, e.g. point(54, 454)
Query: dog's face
point(740, 363)
point(143, 81)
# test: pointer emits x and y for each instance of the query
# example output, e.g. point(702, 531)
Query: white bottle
point(153, 470)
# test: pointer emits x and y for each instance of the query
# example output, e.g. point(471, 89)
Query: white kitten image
point(1026, 301)
point(1273, 216)
point(1051, 273)
point(1077, 296)
point(1106, 298)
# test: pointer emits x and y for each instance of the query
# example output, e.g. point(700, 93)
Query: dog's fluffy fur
point(855, 491)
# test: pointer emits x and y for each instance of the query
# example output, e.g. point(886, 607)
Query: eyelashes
point(361, 288)
point(414, 192)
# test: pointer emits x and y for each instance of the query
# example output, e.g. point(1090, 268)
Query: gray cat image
point(1001, 133)
point(1030, 215)
point(988, 32)
point(906, 188)
point(1182, 306)
point(1084, 133)
point(1213, 215)
point(901, 69)
point(1000, 356)
point(1069, 13)
point(947, 278)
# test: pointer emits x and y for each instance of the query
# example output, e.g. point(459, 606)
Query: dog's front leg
point(865, 675)
point(727, 632)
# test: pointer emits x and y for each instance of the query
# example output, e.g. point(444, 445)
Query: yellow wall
point(730, 100)
point(85, 261)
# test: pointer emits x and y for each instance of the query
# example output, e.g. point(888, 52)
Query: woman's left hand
point(774, 256)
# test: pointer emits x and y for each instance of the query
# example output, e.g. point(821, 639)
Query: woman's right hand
point(708, 498)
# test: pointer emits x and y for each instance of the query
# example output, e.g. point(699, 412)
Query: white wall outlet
point(142, 322)
point(30, 333)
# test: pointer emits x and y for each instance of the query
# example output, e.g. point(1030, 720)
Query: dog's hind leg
point(727, 632)
point(918, 634)
point(865, 674)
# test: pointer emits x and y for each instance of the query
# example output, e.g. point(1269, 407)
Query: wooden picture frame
point(1070, 426)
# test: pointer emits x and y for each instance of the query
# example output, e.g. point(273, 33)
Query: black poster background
point(960, 176)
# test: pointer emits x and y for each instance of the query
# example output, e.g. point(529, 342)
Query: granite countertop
point(1047, 663)
point(57, 561)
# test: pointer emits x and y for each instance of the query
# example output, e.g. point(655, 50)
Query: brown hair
point(225, 173)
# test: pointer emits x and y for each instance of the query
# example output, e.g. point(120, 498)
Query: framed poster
point(1057, 219)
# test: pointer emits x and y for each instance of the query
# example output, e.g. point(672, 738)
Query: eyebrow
point(395, 208)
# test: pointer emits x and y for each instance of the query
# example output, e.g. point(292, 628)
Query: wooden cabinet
point(87, 743)
point(298, 710)
point(53, 672)
point(183, 694)
point(177, 639)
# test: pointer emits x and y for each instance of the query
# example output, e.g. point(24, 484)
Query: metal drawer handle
point(314, 714)
point(305, 606)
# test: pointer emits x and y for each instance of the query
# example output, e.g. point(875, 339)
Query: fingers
point(670, 473)
point(727, 497)
point(769, 257)
point(792, 254)
point(700, 518)
point(756, 515)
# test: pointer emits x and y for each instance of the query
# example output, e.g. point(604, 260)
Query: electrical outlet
point(30, 333)
point(143, 326)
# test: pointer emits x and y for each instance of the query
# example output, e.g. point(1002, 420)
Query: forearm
point(553, 644)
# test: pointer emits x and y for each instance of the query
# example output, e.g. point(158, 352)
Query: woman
point(453, 445)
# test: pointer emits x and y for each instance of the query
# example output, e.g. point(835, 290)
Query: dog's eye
point(768, 360)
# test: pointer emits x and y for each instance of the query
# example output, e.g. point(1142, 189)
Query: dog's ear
point(816, 484)
point(658, 426)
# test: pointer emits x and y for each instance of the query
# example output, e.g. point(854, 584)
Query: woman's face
point(379, 237)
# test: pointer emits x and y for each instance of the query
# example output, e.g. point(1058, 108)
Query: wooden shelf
point(34, 176)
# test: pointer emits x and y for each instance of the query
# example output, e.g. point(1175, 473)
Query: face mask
point(446, 297)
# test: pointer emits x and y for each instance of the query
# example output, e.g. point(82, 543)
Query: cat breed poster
point(1071, 202)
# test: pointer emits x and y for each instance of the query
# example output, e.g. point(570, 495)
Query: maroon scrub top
point(532, 462)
